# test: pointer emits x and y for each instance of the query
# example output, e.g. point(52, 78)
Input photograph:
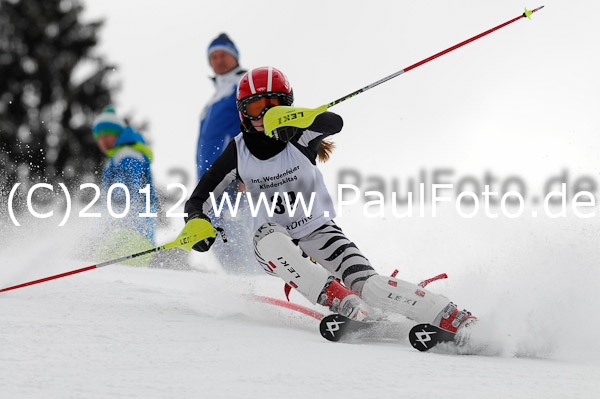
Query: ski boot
point(451, 319)
point(342, 300)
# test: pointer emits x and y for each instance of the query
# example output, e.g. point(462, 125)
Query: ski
point(425, 336)
point(422, 337)
point(336, 327)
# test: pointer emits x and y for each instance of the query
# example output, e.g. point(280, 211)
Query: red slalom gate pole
point(289, 305)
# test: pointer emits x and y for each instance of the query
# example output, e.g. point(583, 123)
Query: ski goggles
point(255, 107)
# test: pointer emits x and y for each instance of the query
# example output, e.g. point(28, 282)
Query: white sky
point(523, 100)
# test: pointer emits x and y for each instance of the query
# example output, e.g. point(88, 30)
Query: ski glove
point(203, 245)
point(286, 133)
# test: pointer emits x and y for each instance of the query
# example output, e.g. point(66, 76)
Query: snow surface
point(129, 332)
point(522, 101)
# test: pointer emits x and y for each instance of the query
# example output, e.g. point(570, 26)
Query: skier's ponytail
point(325, 149)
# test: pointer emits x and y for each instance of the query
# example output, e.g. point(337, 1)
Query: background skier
point(128, 163)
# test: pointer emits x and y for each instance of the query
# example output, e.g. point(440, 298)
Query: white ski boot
point(414, 302)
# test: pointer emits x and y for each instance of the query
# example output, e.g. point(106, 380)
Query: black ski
point(425, 336)
point(422, 337)
point(336, 328)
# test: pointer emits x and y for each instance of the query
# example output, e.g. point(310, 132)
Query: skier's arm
point(327, 124)
point(216, 179)
point(308, 140)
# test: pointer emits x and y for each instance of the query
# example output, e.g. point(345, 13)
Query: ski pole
point(194, 230)
point(304, 117)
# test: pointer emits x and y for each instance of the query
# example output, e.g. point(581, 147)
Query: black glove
point(286, 133)
point(203, 245)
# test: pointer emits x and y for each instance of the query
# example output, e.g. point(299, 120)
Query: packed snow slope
point(520, 103)
point(132, 332)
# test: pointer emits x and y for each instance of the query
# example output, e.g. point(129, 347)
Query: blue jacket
point(129, 163)
point(220, 120)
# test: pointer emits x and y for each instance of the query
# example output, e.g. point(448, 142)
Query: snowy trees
point(51, 86)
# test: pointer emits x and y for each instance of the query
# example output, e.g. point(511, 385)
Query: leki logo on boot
point(288, 267)
point(400, 298)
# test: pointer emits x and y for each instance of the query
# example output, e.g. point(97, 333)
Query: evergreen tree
point(52, 85)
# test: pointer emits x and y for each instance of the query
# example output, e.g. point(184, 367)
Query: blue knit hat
point(107, 123)
point(224, 43)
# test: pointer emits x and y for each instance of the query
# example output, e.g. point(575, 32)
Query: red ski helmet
point(260, 89)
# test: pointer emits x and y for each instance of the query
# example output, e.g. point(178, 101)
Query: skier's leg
point(413, 301)
point(280, 256)
point(333, 250)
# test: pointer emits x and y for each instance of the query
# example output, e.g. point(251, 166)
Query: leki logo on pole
point(290, 117)
point(333, 326)
point(424, 336)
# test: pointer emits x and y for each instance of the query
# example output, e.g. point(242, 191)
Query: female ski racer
point(283, 167)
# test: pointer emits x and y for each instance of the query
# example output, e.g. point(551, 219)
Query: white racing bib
point(274, 185)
